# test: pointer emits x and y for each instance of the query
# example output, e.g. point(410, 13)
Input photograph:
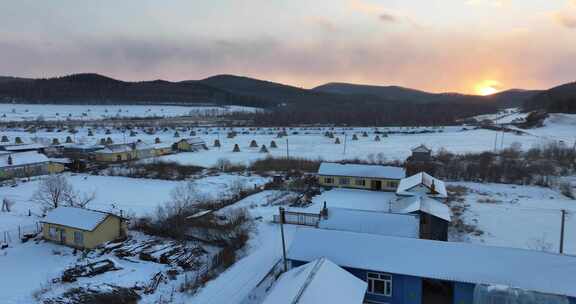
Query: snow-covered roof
point(450, 261)
point(78, 218)
point(60, 160)
point(22, 158)
point(162, 145)
point(402, 225)
point(116, 149)
point(320, 281)
point(24, 147)
point(424, 204)
point(407, 185)
point(353, 170)
point(421, 148)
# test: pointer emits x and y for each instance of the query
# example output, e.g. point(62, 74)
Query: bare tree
point(53, 192)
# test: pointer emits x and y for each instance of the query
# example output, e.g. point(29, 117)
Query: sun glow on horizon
point(487, 87)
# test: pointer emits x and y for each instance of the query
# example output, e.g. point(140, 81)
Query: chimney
point(10, 162)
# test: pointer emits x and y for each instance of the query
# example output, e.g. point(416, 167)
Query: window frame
point(386, 280)
point(360, 182)
point(52, 232)
point(344, 181)
point(78, 240)
point(329, 180)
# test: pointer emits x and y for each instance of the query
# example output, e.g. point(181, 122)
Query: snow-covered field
point(310, 143)
point(31, 112)
point(520, 216)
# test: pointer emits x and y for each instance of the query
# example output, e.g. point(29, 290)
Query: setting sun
point(487, 87)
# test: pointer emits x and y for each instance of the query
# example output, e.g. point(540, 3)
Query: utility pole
point(502, 138)
point(496, 141)
point(287, 149)
point(562, 231)
point(282, 219)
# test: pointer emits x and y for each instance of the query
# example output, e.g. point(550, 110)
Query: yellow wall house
point(26, 164)
point(82, 228)
point(368, 177)
point(116, 153)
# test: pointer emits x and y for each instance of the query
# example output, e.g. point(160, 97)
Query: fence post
point(19, 232)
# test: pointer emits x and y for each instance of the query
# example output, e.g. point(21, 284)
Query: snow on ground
point(520, 216)
point(558, 127)
point(310, 143)
point(28, 112)
point(133, 196)
point(505, 116)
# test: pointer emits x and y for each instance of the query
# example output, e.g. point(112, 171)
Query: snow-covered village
point(288, 152)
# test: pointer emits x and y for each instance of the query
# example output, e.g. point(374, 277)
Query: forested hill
point(560, 99)
point(97, 89)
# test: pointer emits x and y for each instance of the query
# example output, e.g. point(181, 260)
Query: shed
point(319, 281)
point(421, 153)
point(82, 228)
point(422, 183)
point(405, 263)
point(435, 216)
point(372, 177)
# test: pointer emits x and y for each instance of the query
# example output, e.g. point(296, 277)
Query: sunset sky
point(470, 46)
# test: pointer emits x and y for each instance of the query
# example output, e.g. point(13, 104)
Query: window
point(328, 180)
point(78, 238)
point(379, 284)
point(392, 184)
point(52, 232)
point(344, 181)
point(360, 182)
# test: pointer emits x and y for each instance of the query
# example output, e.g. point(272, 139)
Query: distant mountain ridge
point(509, 98)
point(231, 89)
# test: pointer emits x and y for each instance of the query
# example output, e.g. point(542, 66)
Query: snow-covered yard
point(134, 196)
point(519, 216)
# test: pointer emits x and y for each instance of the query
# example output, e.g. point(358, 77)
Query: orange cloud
point(565, 20)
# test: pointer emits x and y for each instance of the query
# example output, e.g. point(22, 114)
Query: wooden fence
point(19, 233)
point(299, 218)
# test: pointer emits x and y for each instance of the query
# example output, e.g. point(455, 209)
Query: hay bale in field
point(253, 144)
point(273, 144)
point(236, 148)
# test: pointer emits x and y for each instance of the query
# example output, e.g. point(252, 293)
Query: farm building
point(370, 177)
point(408, 270)
point(434, 216)
point(422, 184)
point(424, 195)
point(24, 148)
point(162, 149)
point(82, 228)
point(421, 154)
point(26, 164)
point(373, 222)
point(190, 144)
point(319, 281)
point(115, 153)
point(80, 151)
